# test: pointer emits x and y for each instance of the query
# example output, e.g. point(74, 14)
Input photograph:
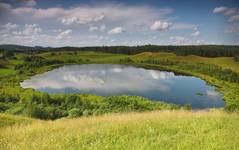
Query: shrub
point(4, 107)
point(36, 112)
point(86, 113)
point(75, 112)
point(187, 107)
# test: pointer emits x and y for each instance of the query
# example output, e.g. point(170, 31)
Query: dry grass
point(151, 130)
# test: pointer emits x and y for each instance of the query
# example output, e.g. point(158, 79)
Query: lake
point(106, 80)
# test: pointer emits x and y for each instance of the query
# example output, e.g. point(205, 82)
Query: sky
point(81, 23)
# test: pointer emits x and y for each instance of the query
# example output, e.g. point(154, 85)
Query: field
point(212, 129)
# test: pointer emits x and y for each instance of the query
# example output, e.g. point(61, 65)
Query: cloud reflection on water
point(119, 79)
point(104, 79)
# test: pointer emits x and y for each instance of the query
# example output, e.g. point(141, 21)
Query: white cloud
point(212, 93)
point(5, 6)
point(160, 75)
point(232, 29)
point(116, 30)
point(178, 39)
point(232, 13)
point(195, 34)
point(234, 18)
point(30, 3)
point(81, 20)
point(64, 34)
point(160, 25)
point(183, 26)
point(85, 14)
point(31, 29)
point(97, 28)
point(10, 26)
point(219, 9)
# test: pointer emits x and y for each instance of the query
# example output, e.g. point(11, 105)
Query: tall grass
point(139, 131)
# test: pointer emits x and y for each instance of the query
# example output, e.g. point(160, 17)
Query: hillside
point(10, 120)
point(213, 129)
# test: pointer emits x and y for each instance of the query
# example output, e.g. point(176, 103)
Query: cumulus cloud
point(178, 39)
point(89, 14)
point(183, 26)
point(31, 29)
point(5, 6)
point(81, 20)
point(232, 13)
point(64, 34)
point(196, 32)
point(116, 30)
point(160, 25)
point(97, 28)
point(29, 3)
point(10, 26)
point(219, 9)
point(232, 29)
point(233, 17)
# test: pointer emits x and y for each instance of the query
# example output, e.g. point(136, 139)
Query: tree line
point(199, 50)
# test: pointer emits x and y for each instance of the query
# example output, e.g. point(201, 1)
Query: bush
point(187, 107)
point(36, 112)
point(86, 113)
point(40, 112)
point(4, 107)
point(75, 112)
point(7, 98)
point(236, 58)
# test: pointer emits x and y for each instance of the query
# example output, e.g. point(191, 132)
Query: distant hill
point(13, 47)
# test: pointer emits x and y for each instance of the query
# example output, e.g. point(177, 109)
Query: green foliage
point(4, 107)
point(10, 120)
point(187, 107)
point(75, 112)
point(211, 70)
point(44, 106)
point(32, 63)
point(7, 54)
point(41, 112)
point(199, 50)
point(9, 98)
point(236, 58)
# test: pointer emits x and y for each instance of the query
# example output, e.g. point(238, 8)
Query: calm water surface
point(108, 80)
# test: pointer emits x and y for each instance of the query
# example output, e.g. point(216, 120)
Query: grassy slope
point(224, 62)
point(10, 120)
point(150, 130)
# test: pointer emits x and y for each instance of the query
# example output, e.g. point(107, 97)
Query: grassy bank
point(151, 130)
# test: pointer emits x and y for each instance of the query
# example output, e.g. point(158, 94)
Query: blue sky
point(136, 22)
